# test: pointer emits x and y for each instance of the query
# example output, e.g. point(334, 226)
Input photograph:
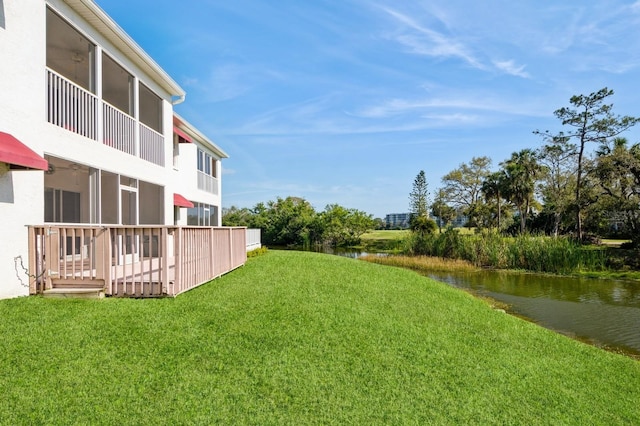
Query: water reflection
point(605, 312)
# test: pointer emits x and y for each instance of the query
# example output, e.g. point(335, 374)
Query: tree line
point(292, 221)
point(560, 188)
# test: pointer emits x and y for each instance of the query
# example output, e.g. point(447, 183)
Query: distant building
point(397, 220)
point(458, 222)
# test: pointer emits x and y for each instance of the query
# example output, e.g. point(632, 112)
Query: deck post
point(52, 242)
point(164, 270)
point(99, 255)
point(33, 255)
point(106, 259)
point(212, 253)
point(103, 257)
point(231, 248)
point(177, 260)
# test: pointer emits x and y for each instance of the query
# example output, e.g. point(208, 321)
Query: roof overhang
point(180, 201)
point(19, 156)
point(102, 22)
point(197, 135)
point(182, 134)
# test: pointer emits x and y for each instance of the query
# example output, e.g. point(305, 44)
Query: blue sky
point(345, 101)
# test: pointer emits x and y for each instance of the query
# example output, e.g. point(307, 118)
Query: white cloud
point(477, 102)
point(457, 119)
point(424, 41)
point(511, 68)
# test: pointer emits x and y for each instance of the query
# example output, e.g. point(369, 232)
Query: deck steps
point(75, 293)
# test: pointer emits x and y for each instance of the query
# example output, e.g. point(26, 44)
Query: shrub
point(257, 252)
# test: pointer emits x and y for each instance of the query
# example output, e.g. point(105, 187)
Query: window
point(151, 204)
point(206, 163)
point(202, 214)
point(150, 108)
point(192, 215)
point(117, 85)
point(129, 200)
point(61, 206)
point(70, 53)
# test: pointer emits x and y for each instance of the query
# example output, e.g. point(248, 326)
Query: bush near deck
point(302, 338)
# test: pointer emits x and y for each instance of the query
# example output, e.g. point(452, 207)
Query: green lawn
point(302, 338)
point(398, 234)
point(383, 234)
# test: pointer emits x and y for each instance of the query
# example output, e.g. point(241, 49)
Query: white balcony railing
point(80, 111)
point(207, 183)
point(72, 107)
point(151, 145)
point(253, 238)
point(119, 130)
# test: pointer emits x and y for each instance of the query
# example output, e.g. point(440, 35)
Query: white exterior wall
point(186, 179)
point(23, 97)
point(22, 114)
point(167, 124)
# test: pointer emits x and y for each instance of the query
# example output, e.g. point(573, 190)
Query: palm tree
point(492, 188)
point(520, 175)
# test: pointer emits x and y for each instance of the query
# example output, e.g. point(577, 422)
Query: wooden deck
point(132, 261)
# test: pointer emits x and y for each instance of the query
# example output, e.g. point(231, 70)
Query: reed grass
point(528, 252)
point(422, 263)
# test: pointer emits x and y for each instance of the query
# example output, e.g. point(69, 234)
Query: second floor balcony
point(93, 95)
point(80, 111)
point(207, 183)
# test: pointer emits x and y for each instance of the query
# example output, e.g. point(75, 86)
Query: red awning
point(179, 200)
point(15, 153)
point(182, 134)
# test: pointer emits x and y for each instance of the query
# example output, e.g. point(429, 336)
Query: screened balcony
point(91, 94)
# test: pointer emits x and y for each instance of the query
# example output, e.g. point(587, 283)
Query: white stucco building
point(88, 134)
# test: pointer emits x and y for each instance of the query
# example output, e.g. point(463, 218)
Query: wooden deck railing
point(132, 261)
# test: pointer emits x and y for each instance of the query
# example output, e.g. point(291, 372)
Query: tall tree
point(341, 226)
point(591, 120)
point(521, 172)
point(558, 158)
point(419, 206)
point(463, 185)
point(418, 197)
point(618, 172)
point(285, 221)
point(235, 216)
point(444, 212)
point(493, 188)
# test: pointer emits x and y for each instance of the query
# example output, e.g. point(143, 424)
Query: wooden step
point(75, 293)
point(77, 283)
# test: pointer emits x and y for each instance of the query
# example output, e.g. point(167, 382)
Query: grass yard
point(302, 338)
point(383, 234)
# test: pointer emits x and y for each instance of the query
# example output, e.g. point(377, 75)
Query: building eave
point(198, 136)
point(99, 19)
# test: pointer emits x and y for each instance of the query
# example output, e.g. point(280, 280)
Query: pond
point(601, 312)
